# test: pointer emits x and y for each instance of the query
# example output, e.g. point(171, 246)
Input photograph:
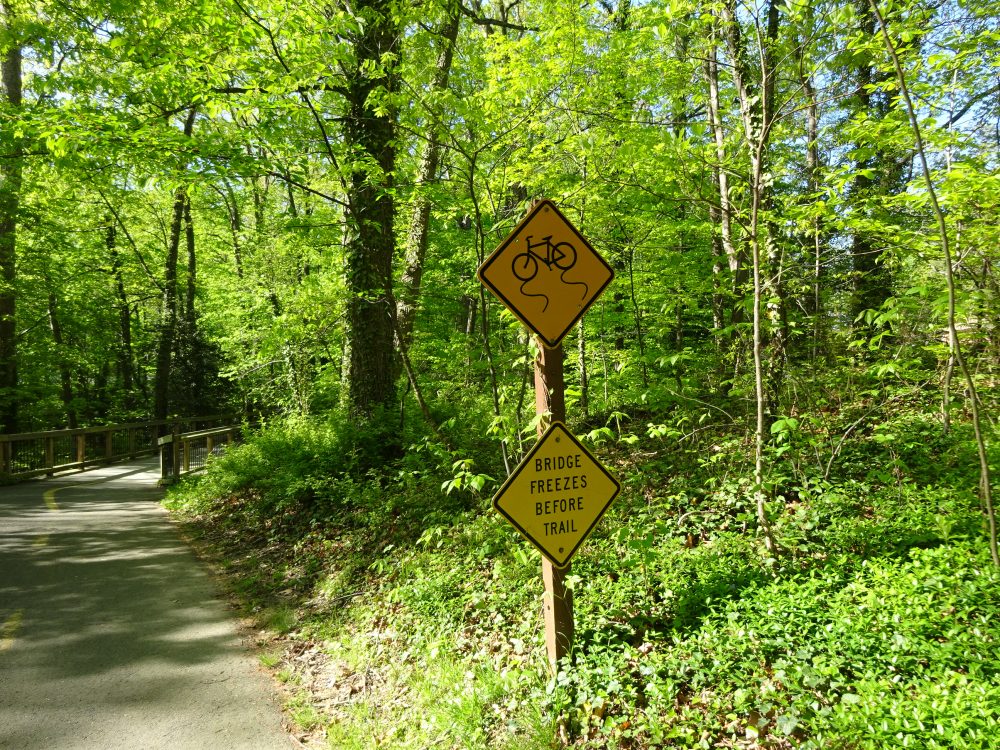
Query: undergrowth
point(407, 613)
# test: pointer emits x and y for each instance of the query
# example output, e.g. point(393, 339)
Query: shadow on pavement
point(121, 633)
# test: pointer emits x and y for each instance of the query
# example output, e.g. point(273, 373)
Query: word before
point(558, 506)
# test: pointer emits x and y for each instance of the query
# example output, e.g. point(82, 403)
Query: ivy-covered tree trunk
point(370, 129)
point(10, 196)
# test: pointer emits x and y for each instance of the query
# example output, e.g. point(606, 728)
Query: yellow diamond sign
point(557, 494)
point(546, 273)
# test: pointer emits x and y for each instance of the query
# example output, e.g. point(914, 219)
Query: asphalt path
point(112, 634)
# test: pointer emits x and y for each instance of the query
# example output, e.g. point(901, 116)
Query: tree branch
point(131, 241)
point(491, 22)
point(302, 186)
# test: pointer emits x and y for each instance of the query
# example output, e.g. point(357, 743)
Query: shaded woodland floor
point(401, 616)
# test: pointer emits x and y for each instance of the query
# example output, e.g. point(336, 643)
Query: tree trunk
point(485, 315)
point(65, 374)
point(985, 480)
point(727, 298)
point(168, 311)
point(235, 224)
point(427, 167)
point(813, 303)
point(168, 307)
point(581, 363)
point(124, 315)
point(370, 212)
point(192, 267)
point(735, 259)
point(10, 198)
point(872, 280)
point(768, 340)
point(637, 318)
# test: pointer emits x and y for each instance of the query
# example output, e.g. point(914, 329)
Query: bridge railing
point(32, 454)
point(184, 452)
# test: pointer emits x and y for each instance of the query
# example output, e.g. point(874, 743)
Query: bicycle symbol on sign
point(562, 255)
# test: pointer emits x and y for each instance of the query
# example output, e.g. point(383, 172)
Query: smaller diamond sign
point(557, 494)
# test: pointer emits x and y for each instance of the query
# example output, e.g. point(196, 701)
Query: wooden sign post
point(557, 602)
point(547, 274)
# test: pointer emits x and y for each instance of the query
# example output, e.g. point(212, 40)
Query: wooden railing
point(33, 454)
point(184, 452)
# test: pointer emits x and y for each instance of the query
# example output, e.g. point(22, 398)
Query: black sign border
point(520, 469)
point(481, 273)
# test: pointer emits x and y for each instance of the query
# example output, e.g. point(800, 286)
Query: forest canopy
point(255, 207)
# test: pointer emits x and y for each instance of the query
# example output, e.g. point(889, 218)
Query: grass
point(270, 659)
point(410, 619)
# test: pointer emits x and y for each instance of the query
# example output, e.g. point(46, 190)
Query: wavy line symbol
point(533, 294)
point(584, 284)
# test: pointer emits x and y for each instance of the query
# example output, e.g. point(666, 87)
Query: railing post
point(81, 449)
point(165, 454)
point(170, 468)
point(43, 453)
point(50, 454)
point(175, 463)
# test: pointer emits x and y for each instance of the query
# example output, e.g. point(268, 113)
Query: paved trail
point(111, 632)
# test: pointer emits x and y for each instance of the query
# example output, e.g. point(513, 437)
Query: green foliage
point(872, 625)
point(818, 658)
point(877, 620)
point(295, 463)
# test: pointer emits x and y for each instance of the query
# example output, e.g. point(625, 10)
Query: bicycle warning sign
point(546, 273)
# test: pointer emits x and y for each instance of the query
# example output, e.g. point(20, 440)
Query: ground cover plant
point(403, 612)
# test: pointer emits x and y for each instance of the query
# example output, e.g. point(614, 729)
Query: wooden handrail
point(105, 428)
point(31, 454)
point(197, 434)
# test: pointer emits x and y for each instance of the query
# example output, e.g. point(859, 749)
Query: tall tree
point(769, 333)
point(65, 372)
point(427, 169)
point(168, 308)
point(10, 196)
point(125, 359)
point(370, 132)
point(878, 174)
point(985, 478)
